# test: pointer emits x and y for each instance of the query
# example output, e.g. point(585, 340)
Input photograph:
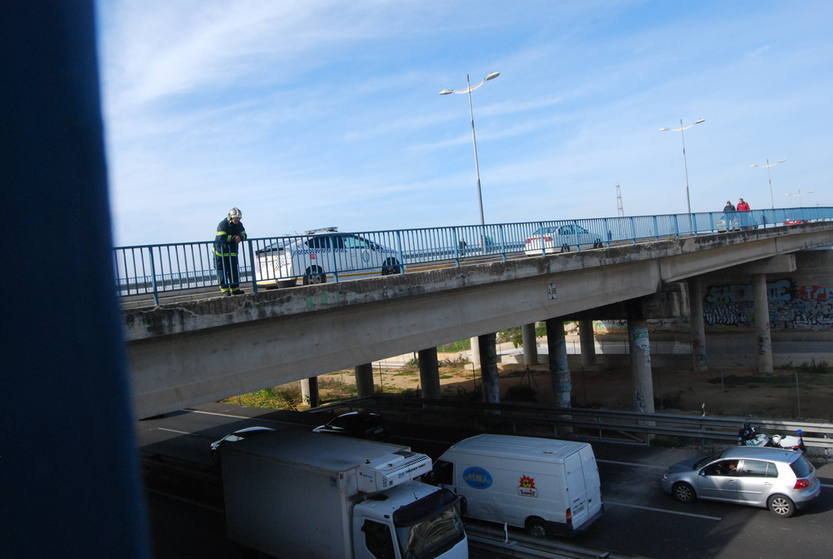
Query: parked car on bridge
point(780, 480)
point(321, 256)
point(559, 238)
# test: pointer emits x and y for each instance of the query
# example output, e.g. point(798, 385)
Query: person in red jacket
point(744, 217)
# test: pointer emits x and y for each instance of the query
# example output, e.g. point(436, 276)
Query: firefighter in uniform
point(230, 233)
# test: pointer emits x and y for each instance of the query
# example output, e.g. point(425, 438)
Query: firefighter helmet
point(235, 213)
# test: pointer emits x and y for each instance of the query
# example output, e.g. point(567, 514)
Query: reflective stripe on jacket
point(224, 244)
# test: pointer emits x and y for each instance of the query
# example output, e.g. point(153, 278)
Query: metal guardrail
point(162, 268)
point(608, 425)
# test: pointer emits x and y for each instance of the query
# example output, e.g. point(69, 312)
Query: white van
point(547, 486)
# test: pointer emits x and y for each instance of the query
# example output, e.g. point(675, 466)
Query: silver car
point(780, 480)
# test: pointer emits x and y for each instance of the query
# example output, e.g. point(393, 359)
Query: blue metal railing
point(339, 256)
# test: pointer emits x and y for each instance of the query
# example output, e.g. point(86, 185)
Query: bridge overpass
point(197, 351)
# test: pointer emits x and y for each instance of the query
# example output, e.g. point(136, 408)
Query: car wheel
point(683, 492)
point(565, 248)
point(781, 505)
point(390, 267)
point(536, 528)
point(314, 274)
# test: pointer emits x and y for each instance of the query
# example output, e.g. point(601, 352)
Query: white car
point(321, 256)
point(559, 238)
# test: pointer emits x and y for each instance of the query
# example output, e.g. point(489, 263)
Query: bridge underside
point(187, 354)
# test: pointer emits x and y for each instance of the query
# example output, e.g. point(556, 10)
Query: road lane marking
point(223, 414)
point(185, 500)
point(178, 432)
point(666, 511)
point(635, 464)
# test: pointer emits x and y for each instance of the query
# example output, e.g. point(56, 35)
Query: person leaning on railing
point(230, 233)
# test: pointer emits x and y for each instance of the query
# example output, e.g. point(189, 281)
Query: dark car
point(360, 424)
point(234, 437)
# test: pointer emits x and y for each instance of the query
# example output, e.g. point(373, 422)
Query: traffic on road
point(639, 518)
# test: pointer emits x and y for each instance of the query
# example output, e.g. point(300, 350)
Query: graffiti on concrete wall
point(791, 306)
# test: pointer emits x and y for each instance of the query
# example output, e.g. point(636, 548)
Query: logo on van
point(477, 477)
point(526, 487)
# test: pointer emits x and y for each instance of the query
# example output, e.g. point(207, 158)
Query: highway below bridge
point(191, 352)
point(184, 496)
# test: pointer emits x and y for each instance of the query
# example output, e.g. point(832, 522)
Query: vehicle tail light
point(547, 239)
point(802, 484)
point(568, 515)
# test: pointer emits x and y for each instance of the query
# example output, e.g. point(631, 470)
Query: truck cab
point(395, 526)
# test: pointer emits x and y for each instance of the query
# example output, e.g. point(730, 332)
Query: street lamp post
point(682, 130)
point(799, 194)
point(769, 166)
point(467, 91)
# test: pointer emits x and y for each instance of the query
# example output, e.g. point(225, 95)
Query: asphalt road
point(638, 519)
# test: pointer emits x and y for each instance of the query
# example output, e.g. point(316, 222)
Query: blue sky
point(315, 113)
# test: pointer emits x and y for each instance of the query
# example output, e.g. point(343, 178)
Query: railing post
point(711, 221)
point(399, 250)
point(153, 277)
point(575, 235)
point(676, 225)
point(656, 229)
point(252, 265)
point(609, 232)
point(456, 241)
point(502, 242)
point(334, 260)
point(633, 230)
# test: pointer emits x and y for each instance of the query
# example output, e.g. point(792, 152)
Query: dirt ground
point(741, 393)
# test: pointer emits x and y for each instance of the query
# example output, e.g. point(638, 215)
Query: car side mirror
point(702, 473)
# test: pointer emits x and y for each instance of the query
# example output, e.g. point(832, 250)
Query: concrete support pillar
point(429, 374)
point(475, 352)
point(559, 369)
point(588, 343)
point(364, 380)
point(698, 326)
point(530, 344)
point(762, 324)
point(640, 350)
point(488, 368)
point(309, 391)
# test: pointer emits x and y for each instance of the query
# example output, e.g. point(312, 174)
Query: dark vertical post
point(429, 374)
point(72, 465)
point(364, 380)
point(488, 368)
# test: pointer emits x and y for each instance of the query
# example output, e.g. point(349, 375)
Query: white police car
point(323, 255)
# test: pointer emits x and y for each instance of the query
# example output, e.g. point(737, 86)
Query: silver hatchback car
point(780, 480)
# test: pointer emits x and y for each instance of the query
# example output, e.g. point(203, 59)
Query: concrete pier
point(698, 328)
point(588, 343)
point(559, 370)
point(762, 324)
point(488, 368)
point(530, 344)
point(429, 374)
point(309, 391)
point(364, 380)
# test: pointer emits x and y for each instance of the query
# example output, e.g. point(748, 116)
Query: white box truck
point(548, 486)
point(293, 494)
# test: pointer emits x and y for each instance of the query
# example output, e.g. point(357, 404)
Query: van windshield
point(437, 528)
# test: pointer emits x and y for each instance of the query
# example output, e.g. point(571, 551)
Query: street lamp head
point(664, 129)
point(700, 121)
point(446, 92)
point(492, 76)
